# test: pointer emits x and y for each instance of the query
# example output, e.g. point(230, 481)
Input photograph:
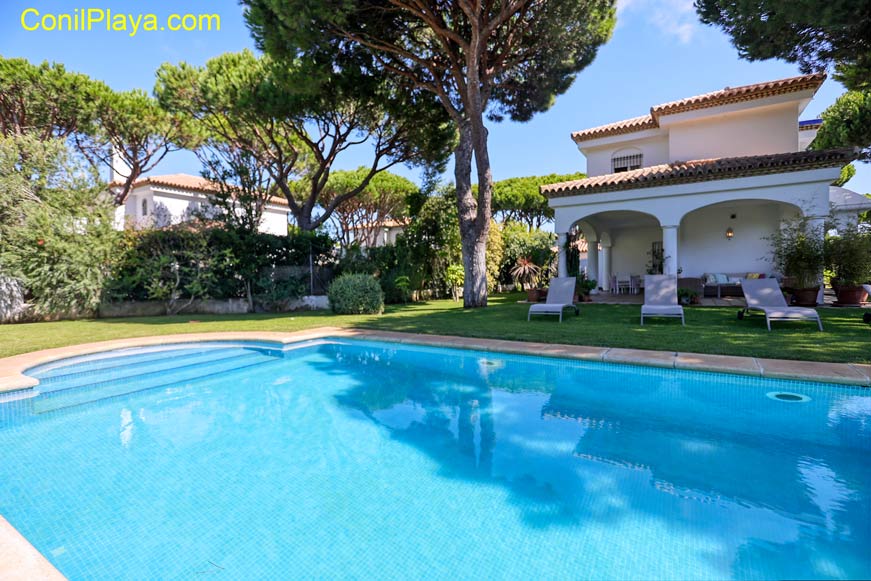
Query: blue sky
point(659, 52)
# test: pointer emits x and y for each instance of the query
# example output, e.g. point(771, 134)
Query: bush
point(356, 294)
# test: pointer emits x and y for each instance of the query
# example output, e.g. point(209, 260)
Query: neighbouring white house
point(375, 235)
point(160, 201)
point(701, 182)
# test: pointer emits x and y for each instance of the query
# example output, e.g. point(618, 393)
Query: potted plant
point(526, 272)
point(798, 253)
point(849, 259)
point(583, 287)
point(687, 296)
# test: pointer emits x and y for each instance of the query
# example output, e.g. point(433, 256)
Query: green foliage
point(276, 294)
point(45, 100)
point(356, 294)
point(495, 255)
point(361, 218)
point(295, 121)
point(798, 252)
point(847, 173)
point(526, 272)
point(433, 242)
point(584, 284)
point(235, 264)
point(686, 296)
point(486, 61)
point(519, 199)
point(455, 277)
point(848, 255)
point(520, 242)
point(816, 34)
point(176, 266)
point(847, 123)
point(57, 236)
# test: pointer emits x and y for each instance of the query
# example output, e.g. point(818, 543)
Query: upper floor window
point(625, 161)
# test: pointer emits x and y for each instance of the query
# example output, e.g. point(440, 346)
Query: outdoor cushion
point(754, 275)
point(789, 312)
point(710, 278)
point(721, 278)
point(661, 309)
point(736, 279)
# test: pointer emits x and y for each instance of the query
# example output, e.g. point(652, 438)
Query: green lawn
point(708, 330)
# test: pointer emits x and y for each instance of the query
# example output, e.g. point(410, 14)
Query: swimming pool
point(347, 458)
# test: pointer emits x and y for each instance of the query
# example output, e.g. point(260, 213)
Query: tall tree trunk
point(473, 237)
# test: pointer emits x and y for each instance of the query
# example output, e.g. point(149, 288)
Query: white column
point(605, 283)
point(562, 268)
point(669, 249)
point(593, 262)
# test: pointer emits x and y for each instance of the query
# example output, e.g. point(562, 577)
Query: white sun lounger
point(764, 294)
point(559, 297)
point(660, 297)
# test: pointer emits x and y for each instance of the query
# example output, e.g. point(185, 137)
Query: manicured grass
point(708, 330)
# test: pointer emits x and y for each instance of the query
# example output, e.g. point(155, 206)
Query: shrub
point(356, 294)
point(849, 256)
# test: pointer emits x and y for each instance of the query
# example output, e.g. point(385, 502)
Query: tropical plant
point(526, 272)
point(848, 256)
point(797, 251)
point(484, 60)
point(521, 242)
point(356, 294)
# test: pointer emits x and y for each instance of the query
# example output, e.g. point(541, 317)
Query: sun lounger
point(660, 297)
point(559, 297)
point(764, 295)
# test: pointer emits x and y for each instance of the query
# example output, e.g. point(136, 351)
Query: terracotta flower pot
point(532, 295)
point(851, 296)
point(542, 294)
point(806, 297)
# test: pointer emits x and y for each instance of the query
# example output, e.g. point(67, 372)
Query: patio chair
point(660, 297)
point(559, 297)
point(764, 294)
point(622, 281)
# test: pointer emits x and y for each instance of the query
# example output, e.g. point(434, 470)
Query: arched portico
point(690, 219)
point(617, 241)
point(731, 236)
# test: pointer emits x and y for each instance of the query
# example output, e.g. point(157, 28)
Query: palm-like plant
point(525, 271)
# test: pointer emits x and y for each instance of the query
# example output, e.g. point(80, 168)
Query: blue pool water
point(374, 460)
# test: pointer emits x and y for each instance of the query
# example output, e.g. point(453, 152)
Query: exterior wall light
point(730, 233)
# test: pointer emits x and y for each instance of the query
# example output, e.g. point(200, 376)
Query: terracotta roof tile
point(183, 181)
point(618, 128)
point(713, 99)
point(701, 170)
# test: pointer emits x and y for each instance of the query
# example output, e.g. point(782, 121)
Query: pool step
point(95, 363)
point(56, 400)
point(169, 362)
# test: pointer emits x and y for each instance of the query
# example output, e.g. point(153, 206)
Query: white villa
point(701, 181)
point(159, 201)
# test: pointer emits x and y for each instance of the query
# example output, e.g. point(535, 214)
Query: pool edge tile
point(20, 561)
point(641, 357)
point(718, 363)
point(812, 371)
